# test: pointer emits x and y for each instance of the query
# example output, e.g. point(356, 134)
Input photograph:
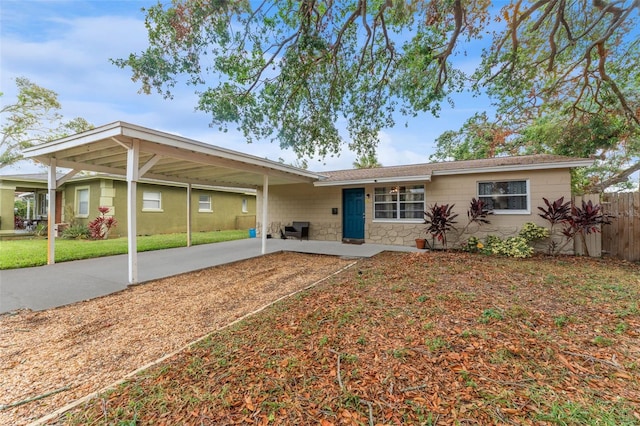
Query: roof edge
point(417, 178)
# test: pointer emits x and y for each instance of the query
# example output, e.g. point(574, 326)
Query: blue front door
point(353, 214)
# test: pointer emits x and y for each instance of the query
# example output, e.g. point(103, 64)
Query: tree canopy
point(32, 119)
point(291, 71)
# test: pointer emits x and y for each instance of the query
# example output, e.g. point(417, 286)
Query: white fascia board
point(74, 141)
point(397, 179)
point(119, 128)
point(515, 168)
point(180, 142)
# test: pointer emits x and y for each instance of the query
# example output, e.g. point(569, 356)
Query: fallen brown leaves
point(436, 338)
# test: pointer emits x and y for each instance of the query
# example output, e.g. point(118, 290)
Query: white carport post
point(133, 155)
point(189, 215)
point(265, 211)
point(51, 213)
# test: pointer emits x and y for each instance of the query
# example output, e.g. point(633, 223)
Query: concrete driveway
point(46, 287)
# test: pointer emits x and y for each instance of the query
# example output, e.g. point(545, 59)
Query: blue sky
point(65, 46)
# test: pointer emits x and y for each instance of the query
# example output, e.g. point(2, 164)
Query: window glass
point(399, 202)
point(82, 196)
point(504, 195)
point(204, 203)
point(245, 205)
point(151, 200)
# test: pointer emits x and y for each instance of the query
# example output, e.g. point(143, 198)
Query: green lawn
point(33, 252)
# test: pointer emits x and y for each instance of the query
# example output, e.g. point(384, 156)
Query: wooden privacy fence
point(621, 239)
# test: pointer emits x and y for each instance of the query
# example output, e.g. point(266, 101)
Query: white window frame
point(79, 190)
point(398, 203)
point(245, 205)
point(150, 196)
point(508, 211)
point(208, 202)
point(43, 205)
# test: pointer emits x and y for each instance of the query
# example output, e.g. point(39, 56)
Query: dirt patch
point(80, 348)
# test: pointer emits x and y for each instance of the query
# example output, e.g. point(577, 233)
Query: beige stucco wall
point(304, 202)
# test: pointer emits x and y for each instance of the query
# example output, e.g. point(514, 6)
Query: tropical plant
point(75, 232)
point(575, 220)
point(99, 227)
point(556, 213)
point(584, 221)
point(440, 219)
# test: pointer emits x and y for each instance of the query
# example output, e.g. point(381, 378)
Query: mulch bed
point(60, 355)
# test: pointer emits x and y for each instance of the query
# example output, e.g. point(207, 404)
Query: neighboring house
point(386, 205)
point(162, 206)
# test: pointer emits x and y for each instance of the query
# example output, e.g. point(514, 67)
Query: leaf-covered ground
point(435, 338)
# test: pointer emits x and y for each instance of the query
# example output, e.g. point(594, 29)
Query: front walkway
point(50, 286)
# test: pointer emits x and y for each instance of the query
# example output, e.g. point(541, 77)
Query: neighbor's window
point(152, 200)
point(82, 202)
point(204, 203)
point(245, 206)
point(505, 196)
point(399, 203)
point(43, 204)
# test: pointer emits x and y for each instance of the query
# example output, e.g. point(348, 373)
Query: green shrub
point(513, 247)
point(473, 245)
point(76, 232)
point(531, 232)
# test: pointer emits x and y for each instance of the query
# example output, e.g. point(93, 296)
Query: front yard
point(429, 338)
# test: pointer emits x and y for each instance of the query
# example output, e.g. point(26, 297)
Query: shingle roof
point(454, 167)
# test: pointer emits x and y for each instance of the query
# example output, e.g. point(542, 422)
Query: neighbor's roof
point(424, 172)
point(39, 180)
point(164, 156)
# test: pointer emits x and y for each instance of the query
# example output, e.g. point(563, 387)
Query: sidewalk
point(50, 286)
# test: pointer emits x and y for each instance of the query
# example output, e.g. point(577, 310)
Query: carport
point(133, 151)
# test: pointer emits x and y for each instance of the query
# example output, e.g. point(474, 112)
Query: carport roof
point(164, 156)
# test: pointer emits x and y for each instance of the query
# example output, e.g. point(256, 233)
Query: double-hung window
point(151, 201)
point(245, 206)
point(204, 203)
point(404, 203)
point(82, 202)
point(505, 197)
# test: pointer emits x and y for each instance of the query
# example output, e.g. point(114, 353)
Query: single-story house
point(381, 205)
point(386, 205)
point(161, 205)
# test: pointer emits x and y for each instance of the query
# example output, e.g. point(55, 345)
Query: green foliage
point(491, 315)
point(76, 232)
point(289, 71)
point(473, 245)
point(512, 247)
point(32, 119)
point(20, 208)
point(368, 161)
point(532, 232)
